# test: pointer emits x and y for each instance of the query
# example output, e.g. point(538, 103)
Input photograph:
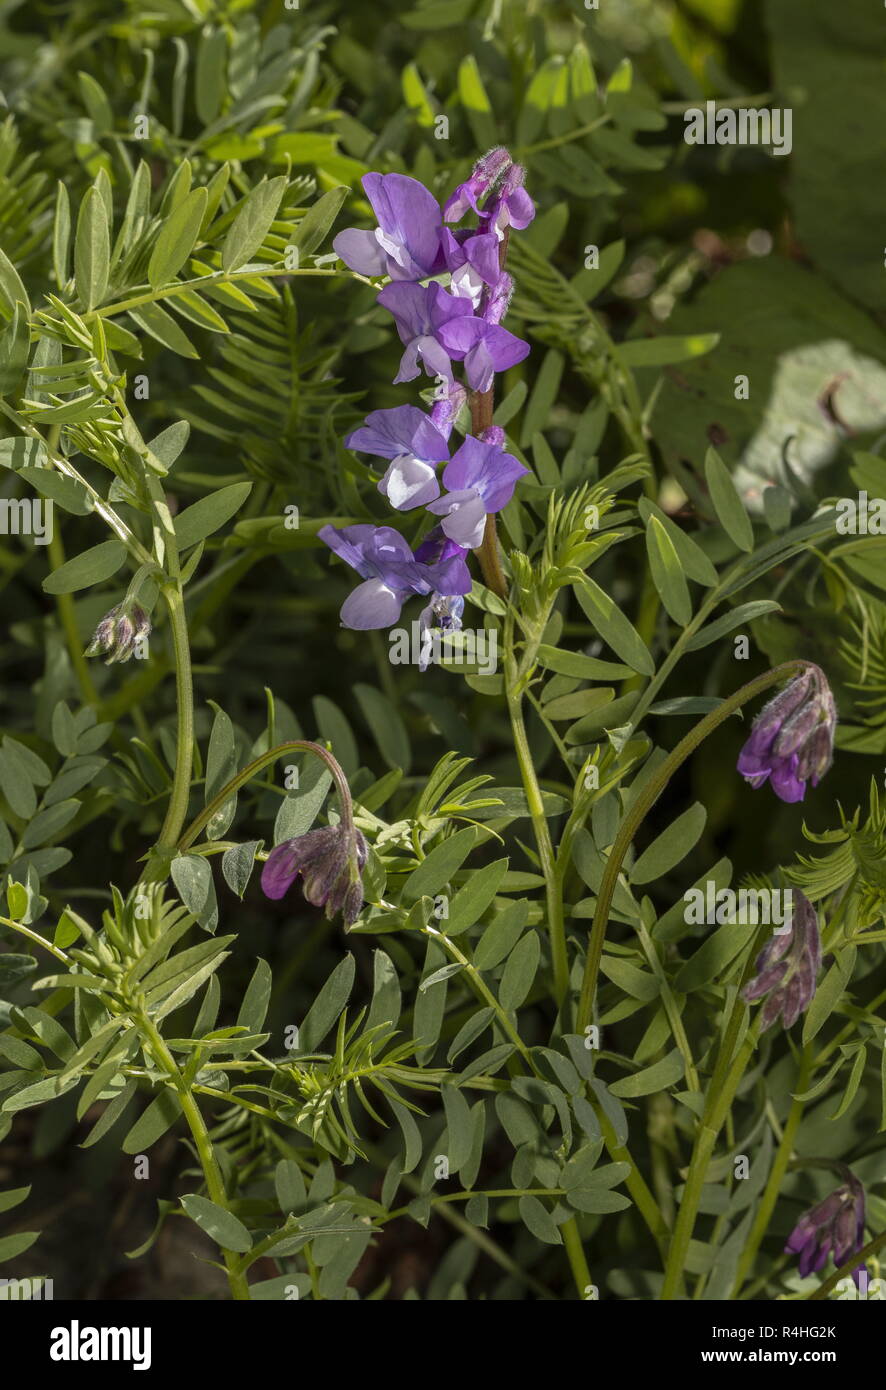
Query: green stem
point(671, 1007)
point(37, 939)
point(554, 900)
point(212, 1174)
point(184, 753)
point(68, 619)
point(776, 1177)
point(634, 819)
point(553, 886)
point(709, 1128)
point(201, 282)
point(641, 1194)
point(473, 1233)
point(485, 993)
point(576, 1255)
point(65, 603)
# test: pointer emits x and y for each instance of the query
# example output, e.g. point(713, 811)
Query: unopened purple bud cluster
point(119, 633)
point(439, 327)
point(792, 739)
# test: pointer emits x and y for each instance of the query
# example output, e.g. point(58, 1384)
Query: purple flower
point(415, 446)
point(392, 573)
point(485, 348)
point(835, 1225)
point(437, 547)
point(792, 739)
point(444, 411)
point(511, 206)
point(330, 861)
point(473, 261)
point(444, 612)
point(787, 968)
point(420, 313)
point(485, 173)
point(406, 243)
point(480, 478)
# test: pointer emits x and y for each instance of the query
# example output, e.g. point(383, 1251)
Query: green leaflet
point(615, 629)
point(92, 249)
point(252, 223)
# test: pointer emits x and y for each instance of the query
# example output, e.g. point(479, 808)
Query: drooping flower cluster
point(786, 970)
point(792, 739)
point(835, 1225)
point(440, 326)
point(330, 860)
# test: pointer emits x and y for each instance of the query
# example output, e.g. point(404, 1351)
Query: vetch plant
point(383, 887)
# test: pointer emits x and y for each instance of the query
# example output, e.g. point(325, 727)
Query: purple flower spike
point(485, 348)
point(406, 243)
point(330, 861)
point(792, 739)
point(787, 968)
point(415, 446)
point(480, 479)
point(420, 313)
point(392, 574)
point(835, 1225)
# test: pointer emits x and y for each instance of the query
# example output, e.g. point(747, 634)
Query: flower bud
point(787, 968)
point(792, 739)
point(119, 632)
point(834, 1225)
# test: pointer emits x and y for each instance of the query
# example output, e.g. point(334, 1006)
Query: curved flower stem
point(257, 765)
point(634, 819)
point(776, 1175)
point(202, 1142)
